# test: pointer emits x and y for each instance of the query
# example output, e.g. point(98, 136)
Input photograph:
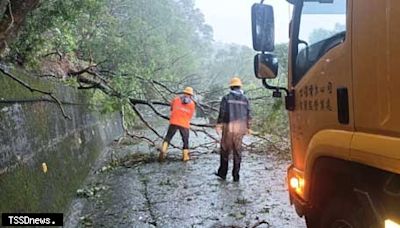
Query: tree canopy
point(139, 51)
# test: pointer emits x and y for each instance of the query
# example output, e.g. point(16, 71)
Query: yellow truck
point(343, 98)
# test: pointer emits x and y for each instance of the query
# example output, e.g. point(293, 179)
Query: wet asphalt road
point(145, 193)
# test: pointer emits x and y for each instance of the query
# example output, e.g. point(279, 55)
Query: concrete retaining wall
point(33, 132)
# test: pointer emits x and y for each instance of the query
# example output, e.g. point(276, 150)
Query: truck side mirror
point(262, 20)
point(266, 66)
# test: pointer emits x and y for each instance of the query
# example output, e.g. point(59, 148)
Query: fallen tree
point(90, 78)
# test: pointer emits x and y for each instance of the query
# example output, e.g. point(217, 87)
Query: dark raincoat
point(234, 115)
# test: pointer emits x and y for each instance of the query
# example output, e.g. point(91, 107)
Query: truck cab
point(343, 98)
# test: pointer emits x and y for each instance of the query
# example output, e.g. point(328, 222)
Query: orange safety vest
point(181, 113)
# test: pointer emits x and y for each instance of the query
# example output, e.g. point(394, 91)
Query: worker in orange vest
point(182, 110)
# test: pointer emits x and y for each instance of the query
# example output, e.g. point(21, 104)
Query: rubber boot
point(185, 155)
point(163, 151)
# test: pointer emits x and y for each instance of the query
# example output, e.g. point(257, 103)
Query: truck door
point(376, 65)
point(321, 77)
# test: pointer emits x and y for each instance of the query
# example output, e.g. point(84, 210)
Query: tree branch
point(56, 52)
point(99, 83)
point(11, 16)
point(32, 89)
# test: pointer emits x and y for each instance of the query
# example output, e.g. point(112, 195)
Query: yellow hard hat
point(235, 81)
point(188, 90)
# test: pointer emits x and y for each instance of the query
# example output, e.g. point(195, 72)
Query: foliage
point(163, 40)
point(271, 116)
point(136, 41)
point(226, 61)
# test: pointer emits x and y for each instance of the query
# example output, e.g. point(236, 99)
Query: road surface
point(138, 191)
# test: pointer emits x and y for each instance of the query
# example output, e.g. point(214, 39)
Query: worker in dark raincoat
point(232, 124)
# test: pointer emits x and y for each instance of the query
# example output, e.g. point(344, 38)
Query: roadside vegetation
point(135, 55)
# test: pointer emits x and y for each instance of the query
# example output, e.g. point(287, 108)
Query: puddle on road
point(177, 194)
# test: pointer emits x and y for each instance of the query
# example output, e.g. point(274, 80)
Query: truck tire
point(344, 212)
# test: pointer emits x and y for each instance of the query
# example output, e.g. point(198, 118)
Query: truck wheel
point(341, 212)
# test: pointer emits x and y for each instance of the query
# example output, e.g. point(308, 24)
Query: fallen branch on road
point(260, 223)
point(91, 78)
